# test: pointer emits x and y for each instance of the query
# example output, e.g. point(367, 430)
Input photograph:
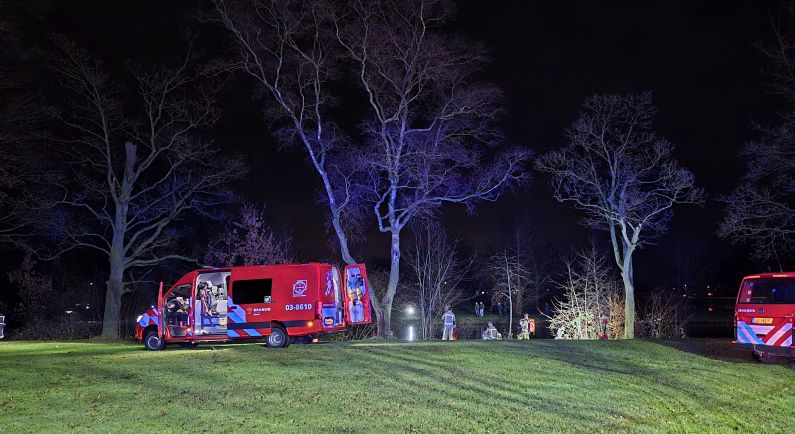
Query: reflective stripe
point(761, 330)
point(449, 319)
point(773, 339)
point(744, 331)
point(232, 318)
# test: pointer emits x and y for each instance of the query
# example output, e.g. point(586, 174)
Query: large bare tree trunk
point(622, 252)
point(343, 239)
point(349, 260)
point(117, 258)
point(629, 298)
point(386, 320)
point(510, 316)
point(115, 285)
point(391, 289)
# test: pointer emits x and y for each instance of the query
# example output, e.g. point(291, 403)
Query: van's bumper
point(766, 349)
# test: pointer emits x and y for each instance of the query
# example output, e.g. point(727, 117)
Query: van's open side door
point(161, 327)
point(357, 295)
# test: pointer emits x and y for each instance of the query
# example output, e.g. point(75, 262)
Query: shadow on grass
point(722, 350)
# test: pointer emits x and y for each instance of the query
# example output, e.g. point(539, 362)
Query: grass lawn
point(540, 385)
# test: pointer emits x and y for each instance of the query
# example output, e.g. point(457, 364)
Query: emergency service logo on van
point(299, 288)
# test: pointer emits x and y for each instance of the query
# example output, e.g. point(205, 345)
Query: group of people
point(480, 309)
point(527, 326)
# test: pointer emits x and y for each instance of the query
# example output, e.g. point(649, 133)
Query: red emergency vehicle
point(271, 302)
point(765, 312)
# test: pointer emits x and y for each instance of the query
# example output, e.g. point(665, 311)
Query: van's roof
point(245, 267)
point(768, 275)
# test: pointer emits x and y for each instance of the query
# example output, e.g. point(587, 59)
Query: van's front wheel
point(152, 342)
point(278, 337)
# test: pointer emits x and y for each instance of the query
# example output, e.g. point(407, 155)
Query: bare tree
point(590, 293)
point(36, 288)
point(617, 170)
point(761, 212)
point(248, 240)
point(761, 218)
point(18, 168)
point(22, 174)
point(665, 315)
point(136, 163)
point(438, 273)
point(430, 119)
point(288, 48)
point(511, 277)
point(522, 246)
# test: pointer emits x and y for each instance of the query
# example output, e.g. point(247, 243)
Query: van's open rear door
point(357, 295)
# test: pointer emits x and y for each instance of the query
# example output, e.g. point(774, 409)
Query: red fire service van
point(271, 302)
point(765, 312)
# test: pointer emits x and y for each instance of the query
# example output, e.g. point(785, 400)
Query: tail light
point(318, 310)
point(736, 317)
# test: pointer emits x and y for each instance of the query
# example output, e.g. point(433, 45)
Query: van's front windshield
point(774, 290)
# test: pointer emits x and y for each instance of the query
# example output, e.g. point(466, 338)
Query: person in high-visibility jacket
point(524, 326)
point(448, 319)
point(491, 333)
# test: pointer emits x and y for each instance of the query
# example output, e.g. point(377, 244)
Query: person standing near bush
point(448, 319)
point(524, 326)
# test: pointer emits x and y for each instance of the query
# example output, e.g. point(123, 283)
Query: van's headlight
point(140, 317)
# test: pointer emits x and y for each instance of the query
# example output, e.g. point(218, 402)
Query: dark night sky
point(697, 58)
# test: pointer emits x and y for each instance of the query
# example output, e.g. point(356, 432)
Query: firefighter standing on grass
point(448, 319)
point(524, 325)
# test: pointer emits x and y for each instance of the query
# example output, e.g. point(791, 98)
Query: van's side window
point(252, 291)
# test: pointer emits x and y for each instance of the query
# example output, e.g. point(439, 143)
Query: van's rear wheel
point(278, 337)
point(152, 341)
